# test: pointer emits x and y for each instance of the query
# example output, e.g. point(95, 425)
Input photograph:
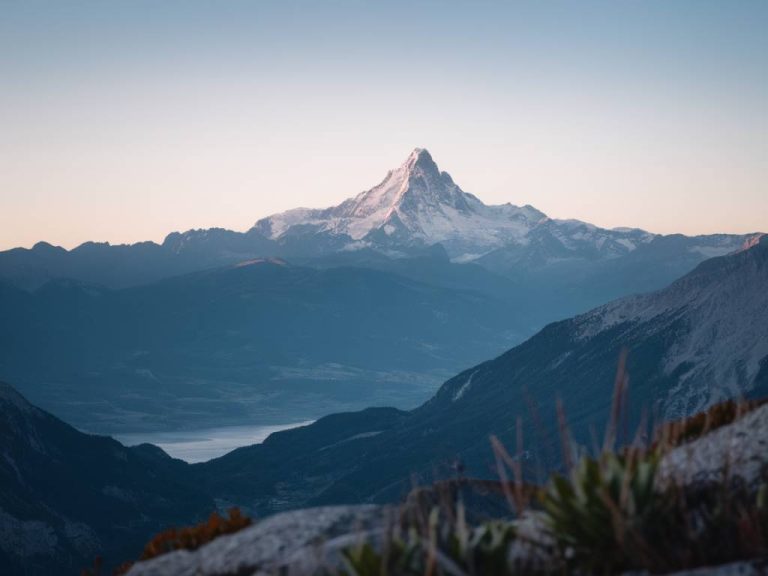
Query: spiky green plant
point(449, 548)
point(608, 511)
point(398, 557)
point(609, 516)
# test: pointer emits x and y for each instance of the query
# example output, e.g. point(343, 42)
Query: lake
point(201, 445)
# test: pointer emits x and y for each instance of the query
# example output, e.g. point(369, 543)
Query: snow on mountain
point(414, 208)
point(416, 204)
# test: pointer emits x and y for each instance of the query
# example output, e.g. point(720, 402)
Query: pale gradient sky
point(122, 121)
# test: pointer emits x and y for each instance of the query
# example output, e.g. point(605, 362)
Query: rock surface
point(294, 543)
point(737, 450)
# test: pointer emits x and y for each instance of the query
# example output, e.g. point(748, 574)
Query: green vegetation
point(448, 547)
point(607, 512)
point(610, 517)
point(606, 518)
point(607, 515)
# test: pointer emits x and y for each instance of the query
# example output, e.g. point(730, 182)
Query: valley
point(377, 455)
point(374, 302)
point(193, 446)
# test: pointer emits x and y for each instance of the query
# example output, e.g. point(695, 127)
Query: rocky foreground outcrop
point(739, 450)
point(297, 542)
point(303, 542)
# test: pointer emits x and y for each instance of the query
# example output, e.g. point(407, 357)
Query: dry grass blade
point(565, 436)
point(620, 386)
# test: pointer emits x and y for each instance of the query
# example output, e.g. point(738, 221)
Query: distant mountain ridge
point(416, 206)
point(701, 340)
point(82, 333)
point(717, 315)
point(261, 341)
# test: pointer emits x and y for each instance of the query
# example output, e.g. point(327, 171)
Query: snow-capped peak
point(420, 156)
point(415, 204)
point(417, 186)
point(420, 164)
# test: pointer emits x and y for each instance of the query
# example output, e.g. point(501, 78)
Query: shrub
point(609, 517)
point(189, 538)
point(193, 537)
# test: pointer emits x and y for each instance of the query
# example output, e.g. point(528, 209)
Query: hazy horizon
point(125, 121)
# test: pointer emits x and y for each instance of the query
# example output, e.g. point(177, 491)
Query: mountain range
point(66, 496)
point(374, 301)
point(415, 207)
point(701, 340)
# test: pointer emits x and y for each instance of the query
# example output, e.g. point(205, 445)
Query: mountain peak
point(415, 205)
point(418, 152)
point(419, 164)
point(422, 158)
point(416, 186)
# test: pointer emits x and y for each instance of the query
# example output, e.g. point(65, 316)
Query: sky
point(124, 120)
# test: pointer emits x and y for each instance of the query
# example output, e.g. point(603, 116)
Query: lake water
point(202, 445)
